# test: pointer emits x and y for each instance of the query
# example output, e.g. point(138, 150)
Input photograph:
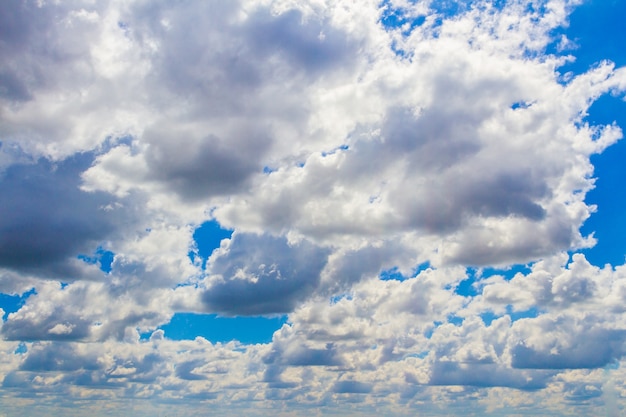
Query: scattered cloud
point(337, 140)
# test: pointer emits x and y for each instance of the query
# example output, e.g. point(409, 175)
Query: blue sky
point(347, 208)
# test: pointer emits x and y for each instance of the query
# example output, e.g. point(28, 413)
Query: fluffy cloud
point(262, 275)
point(343, 149)
point(47, 220)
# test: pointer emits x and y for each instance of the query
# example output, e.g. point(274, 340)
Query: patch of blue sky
point(429, 332)
point(507, 273)
point(336, 298)
point(207, 238)
point(452, 319)
point(394, 18)
point(451, 8)
point(526, 314)
point(595, 28)
point(335, 150)
point(21, 349)
point(488, 316)
point(456, 320)
point(391, 274)
point(420, 268)
point(608, 223)
point(467, 287)
point(216, 329)
point(104, 258)
point(11, 303)
point(520, 105)
point(420, 355)
point(395, 274)
point(470, 287)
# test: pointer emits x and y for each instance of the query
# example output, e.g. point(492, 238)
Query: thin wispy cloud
point(400, 188)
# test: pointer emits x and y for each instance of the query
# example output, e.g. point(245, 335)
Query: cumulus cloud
point(262, 275)
point(47, 221)
point(340, 141)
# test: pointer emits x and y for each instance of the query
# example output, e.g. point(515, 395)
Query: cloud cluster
point(345, 143)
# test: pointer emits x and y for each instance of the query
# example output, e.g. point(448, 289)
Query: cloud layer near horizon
point(337, 146)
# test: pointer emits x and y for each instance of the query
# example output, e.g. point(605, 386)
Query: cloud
point(351, 387)
point(212, 166)
point(469, 174)
point(47, 220)
point(484, 375)
point(256, 275)
point(336, 146)
point(185, 371)
point(60, 357)
point(597, 348)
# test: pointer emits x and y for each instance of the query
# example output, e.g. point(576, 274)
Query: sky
point(312, 208)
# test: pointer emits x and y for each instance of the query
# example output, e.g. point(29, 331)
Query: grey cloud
point(193, 58)
point(277, 275)
point(12, 88)
point(353, 265)
point(57, 357)
point(509, 193)
point(82, 311)
point(486, 375)
point(34, 38)
point(197, 169)
point(352, 387)
point(230, 66)
point(230, 71)
point(202, 396)
point(434, 139)
point(442, 142)
point(593, 349)
point(63, 322)
point(185, 370)
point(313, 357)
point(303, 356)
point(117, 328)
point(306, 44)
point(46, 220)
point(93, 379)
point(467, 196)
point(16, 379)
point(58, 326)
point(83, 365)
point(536, 240)
point(576, 283)
point(286, 354)
point(147, 368)
point(582, 392)
point(570, 288)
point(21, 25)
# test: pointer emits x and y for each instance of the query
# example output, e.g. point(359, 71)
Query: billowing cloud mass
point(405, 181)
